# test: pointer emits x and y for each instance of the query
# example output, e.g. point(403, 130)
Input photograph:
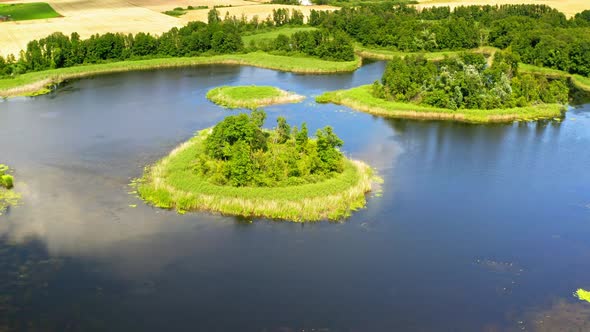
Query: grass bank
point(38, 82)
point(361, 99)
point(27, 11)
point(579, 81)
point(251, 97)
point(171, 183)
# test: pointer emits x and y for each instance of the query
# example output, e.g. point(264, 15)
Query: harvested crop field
point(569, 7)
point(88, 17)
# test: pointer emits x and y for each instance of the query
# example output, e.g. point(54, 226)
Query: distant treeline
point(219, 36)
point(335, 45)
point(538, 34)
point(535, 34)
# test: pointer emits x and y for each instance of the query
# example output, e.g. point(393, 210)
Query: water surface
point(478, 228)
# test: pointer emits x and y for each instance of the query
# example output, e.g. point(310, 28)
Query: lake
point(475, 228)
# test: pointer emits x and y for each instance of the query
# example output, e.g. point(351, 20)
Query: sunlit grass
point(251, 97)
point(171, 183)
point(273, 34)
point(27, 11)
point(361, 99)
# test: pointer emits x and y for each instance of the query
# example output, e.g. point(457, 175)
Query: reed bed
point(43, 81)
point(172, 184)
point(388, 54)
point(251, 97)
point(361, 99)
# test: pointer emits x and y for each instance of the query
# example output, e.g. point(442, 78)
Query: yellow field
point(568, 7)
point(88, 17)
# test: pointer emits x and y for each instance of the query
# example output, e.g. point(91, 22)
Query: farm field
point(250, 10)
point(569, 7)
point(88, 17)
point(27, 11)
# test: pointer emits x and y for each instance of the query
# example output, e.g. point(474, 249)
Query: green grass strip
point(31, 83)
point(171, 183)
point(361, 99)
point(251, 97)
point(273, 34)
point(28, 11)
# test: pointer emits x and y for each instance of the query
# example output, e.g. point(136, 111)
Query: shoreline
point(361, 99)
point(37, 83)
point(180, 189)
point(42, 82)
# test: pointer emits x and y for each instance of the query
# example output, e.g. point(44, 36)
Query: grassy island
point(238, 168)
point(7, 196)
point(461, 88)
point(361, 99)
point(251, 97)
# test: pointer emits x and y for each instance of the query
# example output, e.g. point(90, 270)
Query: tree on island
point(239, 152)
point(467, 81)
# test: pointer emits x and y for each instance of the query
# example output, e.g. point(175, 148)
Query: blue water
point(478, 227)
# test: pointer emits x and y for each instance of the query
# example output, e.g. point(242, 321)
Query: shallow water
point(478, 228)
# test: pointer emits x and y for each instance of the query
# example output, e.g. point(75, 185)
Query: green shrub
point(7, 181)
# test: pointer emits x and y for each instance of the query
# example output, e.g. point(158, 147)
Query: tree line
point(334, 46)
point(537, 34)
point(218, 36)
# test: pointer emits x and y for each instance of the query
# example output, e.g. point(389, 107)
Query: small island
point(239, 168)
point(465, 88)
point(251, 97)
point(7, 196)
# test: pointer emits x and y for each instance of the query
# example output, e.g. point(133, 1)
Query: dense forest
point(238, 152)
point(466, 81)
point(334, 46)
point(536, 34)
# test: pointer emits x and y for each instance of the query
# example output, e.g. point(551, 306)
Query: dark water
point(478, 228)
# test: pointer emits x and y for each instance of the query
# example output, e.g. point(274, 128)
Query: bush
point(7, 181)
